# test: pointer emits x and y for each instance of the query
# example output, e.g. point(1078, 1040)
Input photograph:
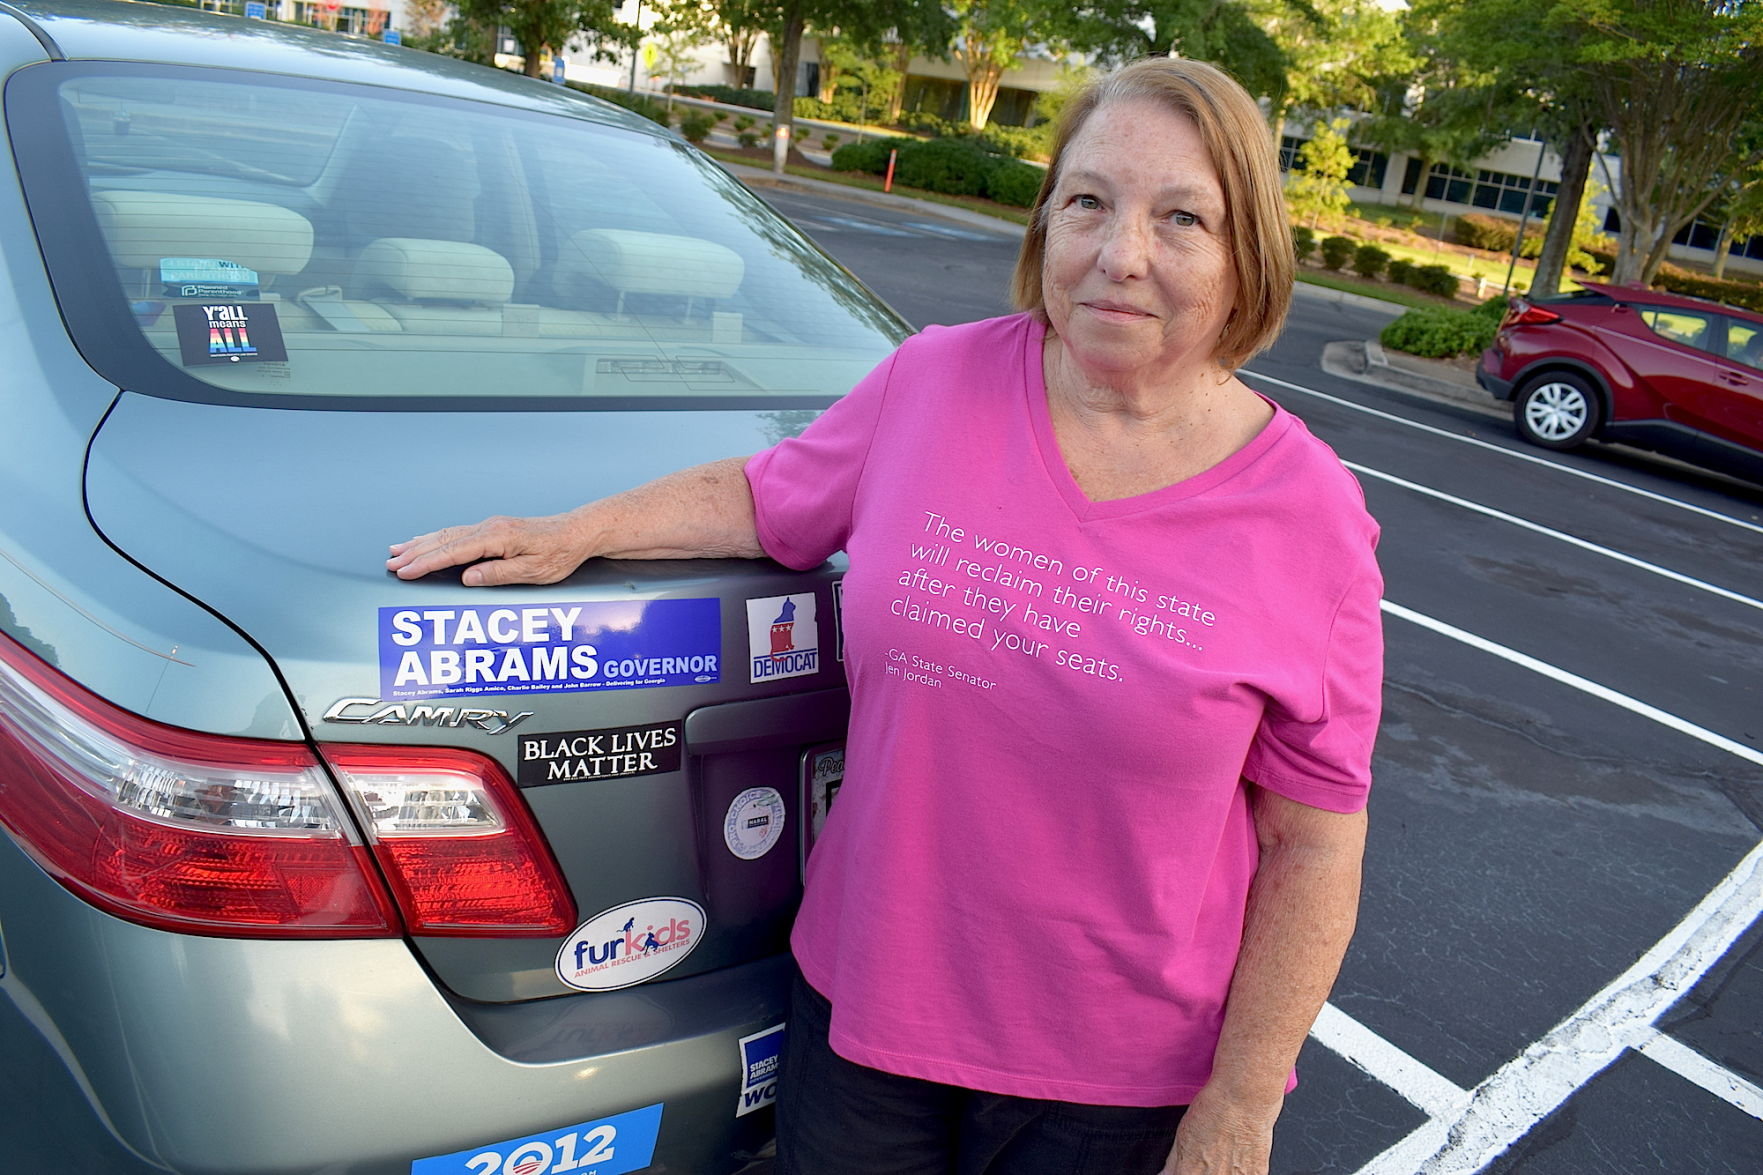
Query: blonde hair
point(1256, 230)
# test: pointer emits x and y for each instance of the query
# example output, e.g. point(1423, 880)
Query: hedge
point(1369, 261)
point(1015, 183)
point(1303, 240)
point(1438, 333)
point(653, 111)
point(1337, 250)
point(757, 99)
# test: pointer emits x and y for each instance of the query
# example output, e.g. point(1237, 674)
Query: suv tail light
point(203, 834)
point(1526, 313)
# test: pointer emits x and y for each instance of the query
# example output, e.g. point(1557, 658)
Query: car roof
point(1639, 293)
point(134, 31)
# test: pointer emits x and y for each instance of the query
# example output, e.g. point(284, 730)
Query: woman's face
point(1137, 274)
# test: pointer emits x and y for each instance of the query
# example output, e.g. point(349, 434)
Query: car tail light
point(174, 829)
point(1524, 313)
point(457, 844)
point(204, 834)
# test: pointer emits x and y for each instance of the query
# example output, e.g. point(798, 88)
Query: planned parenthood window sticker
point(435, 651)
point(783, 637)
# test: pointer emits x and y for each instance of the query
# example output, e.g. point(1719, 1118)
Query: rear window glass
point(252, 236)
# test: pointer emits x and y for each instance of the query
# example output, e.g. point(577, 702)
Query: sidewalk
point(1362, 360)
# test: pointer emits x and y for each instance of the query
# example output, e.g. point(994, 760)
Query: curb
point(1365, 361)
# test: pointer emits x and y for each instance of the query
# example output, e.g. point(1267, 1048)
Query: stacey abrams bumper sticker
point(548, 648)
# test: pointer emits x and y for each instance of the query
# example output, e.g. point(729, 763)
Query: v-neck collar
point(1082, 507)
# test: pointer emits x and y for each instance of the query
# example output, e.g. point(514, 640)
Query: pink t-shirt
point(1033, 879)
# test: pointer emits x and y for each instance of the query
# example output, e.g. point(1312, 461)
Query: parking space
point(1557, 963)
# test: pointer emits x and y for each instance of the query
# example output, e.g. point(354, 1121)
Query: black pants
point(839, 1118)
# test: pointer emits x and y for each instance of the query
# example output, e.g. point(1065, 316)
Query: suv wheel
point(1557, 411)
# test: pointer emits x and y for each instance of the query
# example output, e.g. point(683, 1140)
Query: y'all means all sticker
point(760, 1054)
point(783, 637)
point(621, 753)
point(630, 944)
point(755, 822)
point(605, 1146)
point(432, 651)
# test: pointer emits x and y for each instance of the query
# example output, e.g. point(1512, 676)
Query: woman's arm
point(702, 512)
point(1302, 907)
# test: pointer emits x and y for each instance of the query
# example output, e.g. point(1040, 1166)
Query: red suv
point(1624, 363)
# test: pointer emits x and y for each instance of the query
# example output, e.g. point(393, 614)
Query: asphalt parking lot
point(1557, 965)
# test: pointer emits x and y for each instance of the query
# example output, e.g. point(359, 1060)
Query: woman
point(1084, 895)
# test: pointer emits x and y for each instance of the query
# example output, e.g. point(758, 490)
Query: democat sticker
point(783, 637)
point(630, 944)
point(605, 1146)
point(755, 822)
point(466, 650)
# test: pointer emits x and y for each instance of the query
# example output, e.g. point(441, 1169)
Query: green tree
point(990, 35)
point(546, 27)
point(1336, 52)
point(1676, 83)
point(1740, 212)
point(1316, 191)
point(1227, 33)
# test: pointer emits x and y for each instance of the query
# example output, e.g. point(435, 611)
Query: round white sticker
point(755, 823)
point(630, 944)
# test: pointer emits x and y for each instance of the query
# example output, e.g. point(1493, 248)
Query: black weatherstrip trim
point(37, 31)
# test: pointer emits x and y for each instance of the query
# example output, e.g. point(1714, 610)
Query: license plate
point(606, 1146)
point(823, 770)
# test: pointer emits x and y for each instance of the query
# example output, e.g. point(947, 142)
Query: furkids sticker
point(783, 637)
point(548, 648)
point(621, 753)
point(755, 823)
point(229, 332)
point(630, 944)
point(760, 1054)
point(605, 1146)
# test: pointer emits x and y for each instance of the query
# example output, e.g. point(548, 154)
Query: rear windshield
point(228, 236)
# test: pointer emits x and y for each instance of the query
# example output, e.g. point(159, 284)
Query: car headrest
point(439, 271)
point(651, 263)
point(143, 228)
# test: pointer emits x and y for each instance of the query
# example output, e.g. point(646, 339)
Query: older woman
point(1080, 902)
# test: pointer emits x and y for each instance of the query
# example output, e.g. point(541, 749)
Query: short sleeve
point(805, 488)
point(1326, 762)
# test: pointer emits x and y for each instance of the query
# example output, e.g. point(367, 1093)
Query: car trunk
point(633, 775)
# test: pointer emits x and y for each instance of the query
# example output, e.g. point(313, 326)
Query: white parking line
point(1692, 1066)
point(1515, 454)
point(1465, 1131)
point(1584, 684)
point(1550, 532)
point(1534, 1084)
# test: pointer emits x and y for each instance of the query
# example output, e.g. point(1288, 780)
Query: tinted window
point(270, 237)
point(1688, 327)
point(1744, 342)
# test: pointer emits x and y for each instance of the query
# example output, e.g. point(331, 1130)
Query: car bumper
point(1484, 374)
point(208, 1055)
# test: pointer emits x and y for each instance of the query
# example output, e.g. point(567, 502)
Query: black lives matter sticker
point(599, 754)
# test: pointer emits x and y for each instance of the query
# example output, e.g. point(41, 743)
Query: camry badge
point(372, 711)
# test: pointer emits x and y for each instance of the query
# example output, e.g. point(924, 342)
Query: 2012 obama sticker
point(229, 332)
point(783, 637)
point(465, 650)
point(755, 823)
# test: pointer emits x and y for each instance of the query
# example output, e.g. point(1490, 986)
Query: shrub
point(745, 122)
point(1436, 334)
point(1434, 279)
point(829, 141)
point(696, 125)
point(1399, 271)
point(1303, 240)
point(1479, 231)
point(747, 139)
point(1732, 293)
point(954, 166)
point(1494, 308)
point(1369, 261)
point(1015, 183)
point(654, 111)
point(926, 122)
point(870, 156)
point(1020, 142)
point(734, 96)
point(1336, 251)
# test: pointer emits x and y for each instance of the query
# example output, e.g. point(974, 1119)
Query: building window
point(1499, 190)
point(1368, 170)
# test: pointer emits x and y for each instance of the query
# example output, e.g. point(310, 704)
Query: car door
point(1680, 353)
